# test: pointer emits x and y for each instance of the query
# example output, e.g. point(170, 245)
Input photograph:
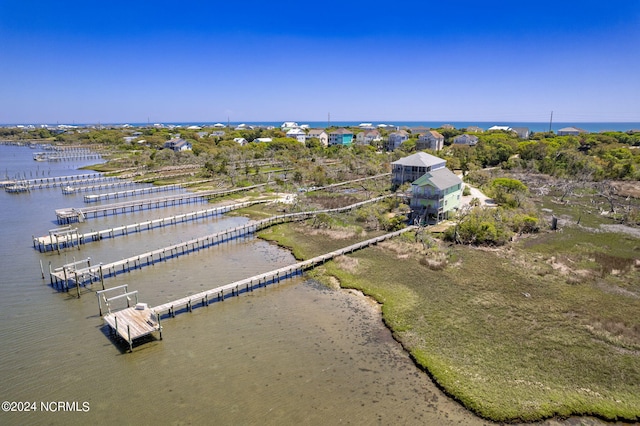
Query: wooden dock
point(92, 198)
point(46, 184)
point(205, 298)
point(132, 323)
point(69, 275)
point(73, 189)
point(73, 214)
point(67, 237)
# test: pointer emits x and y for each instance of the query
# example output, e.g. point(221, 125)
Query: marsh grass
point(501, 330)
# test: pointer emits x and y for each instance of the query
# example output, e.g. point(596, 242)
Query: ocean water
point(591, 127)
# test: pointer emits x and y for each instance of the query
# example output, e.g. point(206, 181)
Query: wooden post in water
point(77, 284)
point(101, 276)
point(41, 269)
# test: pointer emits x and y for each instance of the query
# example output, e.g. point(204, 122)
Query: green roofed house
point(435, 196)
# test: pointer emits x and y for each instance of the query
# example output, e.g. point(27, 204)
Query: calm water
point(295, 353)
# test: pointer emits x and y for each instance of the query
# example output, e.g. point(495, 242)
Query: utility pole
point(550, 121)
point(328, 120)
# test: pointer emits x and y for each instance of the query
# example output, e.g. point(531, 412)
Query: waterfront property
point(435, 196)
point(410, 168)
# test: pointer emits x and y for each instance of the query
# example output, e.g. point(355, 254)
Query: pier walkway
point(92, 198)
point(69, 275)
point(248, 284)
point(66, 237)
point(73, 214)
point(72, 189)
point(135, 322)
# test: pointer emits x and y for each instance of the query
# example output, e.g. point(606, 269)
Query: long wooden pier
point(73, 214)
point(66, 237)
point(35, 184)
point(204, 298)
point(92, 198)
point(139, 321)
point(67, 276)
point(71, 189)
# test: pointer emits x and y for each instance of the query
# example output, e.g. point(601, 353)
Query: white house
point(297, 134)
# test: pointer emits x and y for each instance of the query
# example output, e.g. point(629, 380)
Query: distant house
point(240, 141)
point(430, 140)
point(340, 137)
point(177, 145)
point(203, 134)
point(435, 195)
point(474, 129)
point(571, 131)
point(396, 139)
point(448, 127)
point(367, 137)
point(419, 131)
point(503, 128)
point(465, 139)
point(297, 134)
point(288, 125)
point(217, 134)
point(265, 140)
point(410, 168)
point(319, 134)
point(522, 132)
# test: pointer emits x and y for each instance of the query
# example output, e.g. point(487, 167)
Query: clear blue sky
point(255, 60)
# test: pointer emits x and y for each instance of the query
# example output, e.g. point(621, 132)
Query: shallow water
point(292, 353)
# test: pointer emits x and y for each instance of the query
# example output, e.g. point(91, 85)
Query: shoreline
point(331, 280)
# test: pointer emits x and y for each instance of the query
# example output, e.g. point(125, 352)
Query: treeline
point(613, 155)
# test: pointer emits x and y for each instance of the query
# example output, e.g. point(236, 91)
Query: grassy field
point(548, 326)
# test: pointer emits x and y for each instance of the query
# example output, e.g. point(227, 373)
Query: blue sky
point(169, 61)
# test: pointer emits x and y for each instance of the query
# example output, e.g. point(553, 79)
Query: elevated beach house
point(319, 134)
point(177, 145)
point(435, 190)
point(430, 140)
point(408, 169)
point(340, 137)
